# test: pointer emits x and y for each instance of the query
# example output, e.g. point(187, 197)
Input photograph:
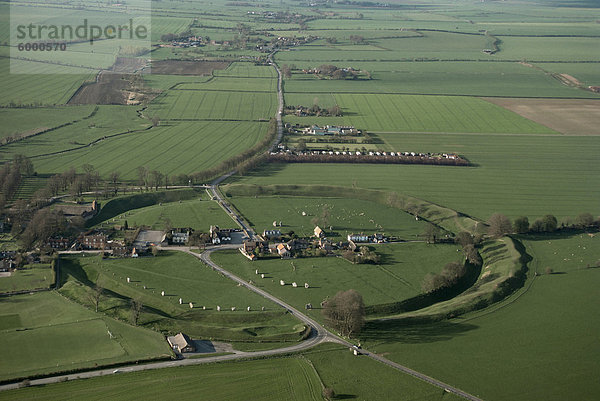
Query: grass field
point(190, 147)
point(299, 377)
point(540, 345)
point(179, 276)
point(347, 216)
point(61, 335)
point(20, 122)
point(404, 113)
point(514, 175)
point(398, 277)
point(31, 277)
point(198, 214)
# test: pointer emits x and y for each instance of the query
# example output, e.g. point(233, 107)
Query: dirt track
point(567, 116)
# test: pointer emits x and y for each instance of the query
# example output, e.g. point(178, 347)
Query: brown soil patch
point(183, 67)
point(113, 88)
point(567, 116)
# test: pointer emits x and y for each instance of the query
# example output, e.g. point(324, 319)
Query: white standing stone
point(294, 284)
point(256, 271)
point(281, 282)
point(180, 301)
point(262, 275)
point(306, 285)
point(191, 305)
point(218, 308)
point(233, 308)
point(128, 280)
point(248, 309)
point(162, 293)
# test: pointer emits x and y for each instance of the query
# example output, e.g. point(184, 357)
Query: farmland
point(524, 329)
point(507, 86)
point(401, 113)
point(31, 277)
point(198, 214)
point(346, 216)
point(332, 366)
point(516, 175)
point(179, 276)
point(398, 277)
point(63, 336)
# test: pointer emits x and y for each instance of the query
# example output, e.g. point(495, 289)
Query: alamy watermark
point(63, 39)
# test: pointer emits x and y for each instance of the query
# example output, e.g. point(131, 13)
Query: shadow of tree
point(399, 331)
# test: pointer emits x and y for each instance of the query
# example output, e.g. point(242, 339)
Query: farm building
point(319, 232)
point(271, 234)
point(331, 130)
point(180, 236)
point(360, 238)
point(218, 235)
point(297, 244)
point(181, 343)
point(282, 251)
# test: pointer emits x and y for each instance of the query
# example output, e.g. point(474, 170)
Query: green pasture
point(119, 207)
point(172, 148)
point(198, 214)
point(61, 336)
point(398, 277)
point(234, 84)
point(101, 123)
point(563, 253)
point(36, 84)
point(213, 105)
point(472, 78)
point(30, 277)
point(22, 122)
point(414, 113)
point(246, 70)
point(346, 216)
point(550, 49)
point(514, 175)
point(179, 276)
point(164, 82)
point(549, 330)
point(300, 377)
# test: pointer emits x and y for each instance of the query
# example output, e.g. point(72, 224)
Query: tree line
point(500, 225)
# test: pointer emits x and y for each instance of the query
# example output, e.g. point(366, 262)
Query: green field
point(181, 148)
point(538, 345)
point(300, 377)
point(30, 277)
point(179, 276)
point(198, 214)
point(61, 335)
point(398, 277)
point(347, 216)
point(515, 175)
point(22, 122)
point(404, 113)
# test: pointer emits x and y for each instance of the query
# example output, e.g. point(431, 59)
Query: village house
point(93, 241)
point(118, 248)
point(359, 238)
point(283, 251)
point(325, 244)
point(180, 236)
point(181, 343)
point(219, 236)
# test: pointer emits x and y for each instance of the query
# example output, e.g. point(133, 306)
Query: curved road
point(318, 333)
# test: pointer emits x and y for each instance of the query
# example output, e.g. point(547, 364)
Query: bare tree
point(346, 312)
point(136, 310)
point(499, 225)
point(96, 295)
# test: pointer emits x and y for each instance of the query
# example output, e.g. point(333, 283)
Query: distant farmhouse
point(181, 343)
point(376, 238)
point(331, 130)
